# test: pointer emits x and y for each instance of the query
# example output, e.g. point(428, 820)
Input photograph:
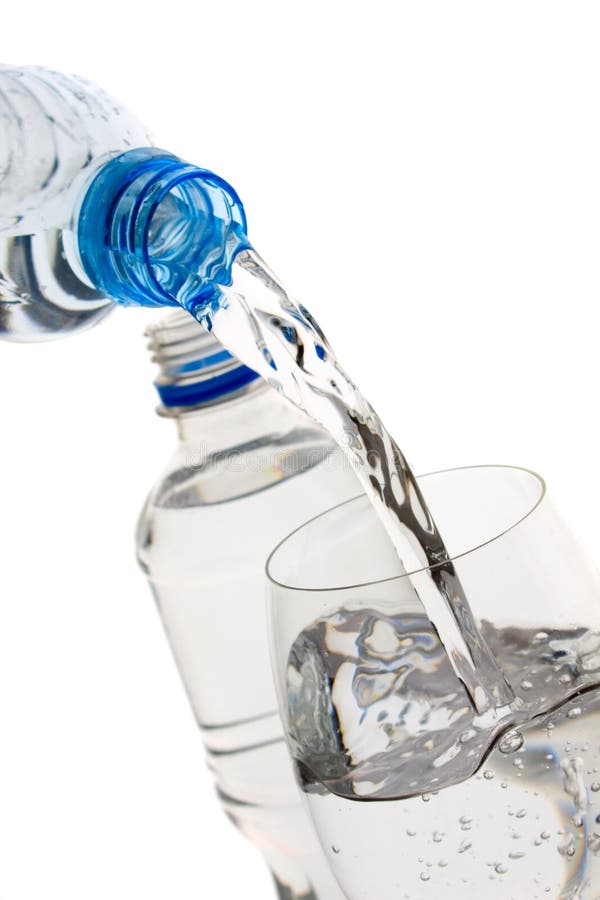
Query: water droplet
point(443, 863)
point(518, 763)
point(516, 854)
point(410, 832)
point(488, 774)
point(500, 869)
point(596, 786)
point(565, 678)
point(426, 798)
point(465, 823)
point(466, 845)
point(574, 713)
point(511, 742)
point(467, 736)
point(526, 685)
point(424, 876)
point(504, 785)
point(438, 836)
point(335, 849)
point(521, 814)
point(545, 835)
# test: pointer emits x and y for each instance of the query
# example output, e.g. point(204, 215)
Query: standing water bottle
point(247, 469)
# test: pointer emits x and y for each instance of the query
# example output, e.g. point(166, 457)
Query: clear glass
point(245, 471)
point(413, 794)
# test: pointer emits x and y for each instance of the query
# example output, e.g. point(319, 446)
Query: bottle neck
point(237, 419)
point(155, 231)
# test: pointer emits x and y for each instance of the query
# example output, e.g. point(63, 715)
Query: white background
point(426, 177)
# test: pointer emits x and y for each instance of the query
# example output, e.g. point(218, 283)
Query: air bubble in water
point(511, 742)
point(593, 842)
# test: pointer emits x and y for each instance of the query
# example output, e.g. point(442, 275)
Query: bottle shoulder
point(199, 475)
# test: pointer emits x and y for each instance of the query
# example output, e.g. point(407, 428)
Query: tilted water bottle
point(247, 470)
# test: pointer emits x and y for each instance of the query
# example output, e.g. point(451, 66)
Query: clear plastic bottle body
point(55, 132)
point(246, 472)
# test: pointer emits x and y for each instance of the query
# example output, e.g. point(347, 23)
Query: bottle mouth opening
point(194, 368)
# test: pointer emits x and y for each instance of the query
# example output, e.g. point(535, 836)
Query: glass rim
point(390, 578)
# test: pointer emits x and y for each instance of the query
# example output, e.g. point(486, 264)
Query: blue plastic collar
point(219, 386)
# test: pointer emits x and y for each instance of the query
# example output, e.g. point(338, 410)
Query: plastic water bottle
point(247, 469)
point(55, 132)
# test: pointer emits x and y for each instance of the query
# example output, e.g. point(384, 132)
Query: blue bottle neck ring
point(155, 231)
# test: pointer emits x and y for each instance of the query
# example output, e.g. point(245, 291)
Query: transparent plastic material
point(414, 794)
point(55, 130)
point(246, 469)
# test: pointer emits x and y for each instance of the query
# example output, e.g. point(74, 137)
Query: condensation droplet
point(438, 836)
point(424, 876)
point(596, 786)
point(466, 845)
point(516, 854)
point(574, 713)
point(521, 814)
point(489, 774)
point(500, 869)
point(526, 685)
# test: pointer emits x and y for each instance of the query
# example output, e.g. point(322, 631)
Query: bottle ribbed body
point(55, 132)
point(245, 473)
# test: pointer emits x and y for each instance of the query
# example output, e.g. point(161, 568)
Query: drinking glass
point(413, 793)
